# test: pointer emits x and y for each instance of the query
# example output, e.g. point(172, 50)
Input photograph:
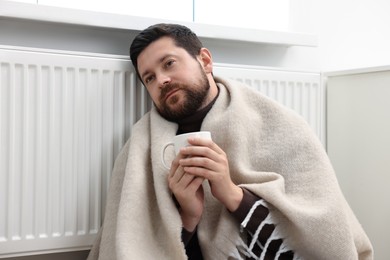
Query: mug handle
point(163, 153)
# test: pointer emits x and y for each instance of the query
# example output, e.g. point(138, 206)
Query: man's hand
point(188, 192)
point(206, 160)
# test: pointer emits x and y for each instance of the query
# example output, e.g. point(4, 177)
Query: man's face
point(175, 80)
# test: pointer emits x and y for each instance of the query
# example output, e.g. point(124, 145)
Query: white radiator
point(298, 90)
point(64, 118)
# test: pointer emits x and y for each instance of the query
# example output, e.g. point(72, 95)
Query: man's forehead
point(161, 44)
point(157, 51)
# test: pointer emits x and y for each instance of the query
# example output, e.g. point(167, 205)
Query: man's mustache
point(168, 88)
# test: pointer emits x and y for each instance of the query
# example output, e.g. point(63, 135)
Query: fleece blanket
point(272, 152)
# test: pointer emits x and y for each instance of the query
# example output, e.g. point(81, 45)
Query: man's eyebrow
point(165, 57)
point(144, 74)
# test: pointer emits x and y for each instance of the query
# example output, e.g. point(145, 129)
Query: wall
point(352, 33)
point(358, 130)
point(109, 41)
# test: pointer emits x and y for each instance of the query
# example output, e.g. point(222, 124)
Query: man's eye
point(169, 63)
point(148, 79)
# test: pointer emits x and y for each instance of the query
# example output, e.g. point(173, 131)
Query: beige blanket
point(271, 151)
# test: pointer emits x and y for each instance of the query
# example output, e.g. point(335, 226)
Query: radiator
point(297, 90)
point(63, 119)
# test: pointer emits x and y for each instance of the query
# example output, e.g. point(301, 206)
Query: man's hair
point(182, 36)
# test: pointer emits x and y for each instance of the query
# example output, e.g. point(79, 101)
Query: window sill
point(35, 12)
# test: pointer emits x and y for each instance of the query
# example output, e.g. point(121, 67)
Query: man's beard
point(194, 96)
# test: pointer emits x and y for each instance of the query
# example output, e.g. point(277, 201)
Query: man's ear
point(206, 60)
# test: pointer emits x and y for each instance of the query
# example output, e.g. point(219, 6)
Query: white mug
point(180, 141)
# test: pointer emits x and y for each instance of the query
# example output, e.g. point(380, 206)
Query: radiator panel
point(299, 91)
point(63, 120)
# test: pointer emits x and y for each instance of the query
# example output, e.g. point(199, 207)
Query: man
point(263, 188)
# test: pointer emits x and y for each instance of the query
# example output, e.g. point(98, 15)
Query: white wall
point(110, 41)
point(352, 33)
point(358, 128)
point(144, 8)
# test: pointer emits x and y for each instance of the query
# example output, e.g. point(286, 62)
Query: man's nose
point(163, 80)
